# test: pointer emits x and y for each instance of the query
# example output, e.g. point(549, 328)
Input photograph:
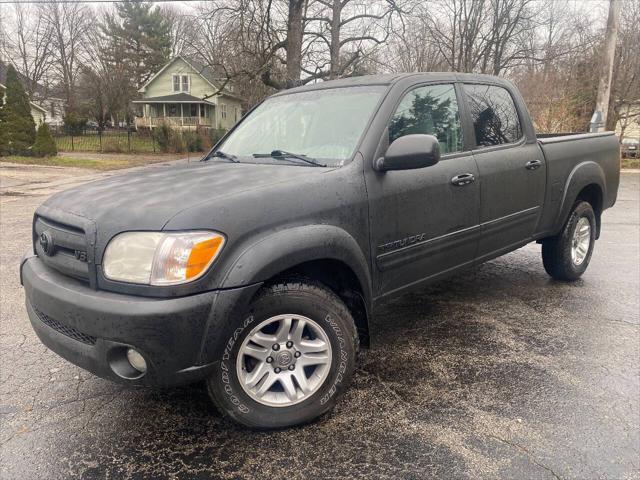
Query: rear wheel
point(290, 359)
point(567, 255)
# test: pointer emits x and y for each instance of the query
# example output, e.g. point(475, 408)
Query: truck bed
point(567, 155)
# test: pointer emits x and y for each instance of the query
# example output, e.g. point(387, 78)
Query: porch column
point(182, 114)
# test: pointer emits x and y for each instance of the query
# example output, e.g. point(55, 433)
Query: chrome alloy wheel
point(284, 360)
point(581, 241)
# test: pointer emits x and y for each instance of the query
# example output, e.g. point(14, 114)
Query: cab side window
point(494, 115)
point(431, 110)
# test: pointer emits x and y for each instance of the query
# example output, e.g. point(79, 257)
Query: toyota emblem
point(46, 243)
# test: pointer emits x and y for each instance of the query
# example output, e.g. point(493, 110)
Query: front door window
point(431, 110)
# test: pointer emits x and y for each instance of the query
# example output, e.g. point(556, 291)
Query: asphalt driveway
point(499, 372)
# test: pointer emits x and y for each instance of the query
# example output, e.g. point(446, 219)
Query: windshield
point(324, 125)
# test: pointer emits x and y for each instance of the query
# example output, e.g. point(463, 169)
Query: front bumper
point(179, 337)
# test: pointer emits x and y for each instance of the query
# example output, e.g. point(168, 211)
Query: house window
point(193, 110)
point(181, 83)
point(202, 113)
point(223, 110)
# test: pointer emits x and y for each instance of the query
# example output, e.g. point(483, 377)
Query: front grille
point(68, 249)
point(65, 329)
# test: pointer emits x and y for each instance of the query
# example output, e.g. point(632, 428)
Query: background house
point(181, 94)
point(37, 112)
point(629, 124)
point(55, 108)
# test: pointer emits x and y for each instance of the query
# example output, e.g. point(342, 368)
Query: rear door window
point(431, 110)
point(494, 115)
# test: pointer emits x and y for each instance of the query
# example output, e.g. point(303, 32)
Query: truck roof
point(391, 78)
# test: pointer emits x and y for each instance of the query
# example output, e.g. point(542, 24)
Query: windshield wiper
point(283, 154)
point(221, 154)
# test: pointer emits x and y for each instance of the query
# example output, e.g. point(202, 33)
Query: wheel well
point(593, 195)
point(339, 277)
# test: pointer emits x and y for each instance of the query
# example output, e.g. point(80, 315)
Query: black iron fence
point(130, 140)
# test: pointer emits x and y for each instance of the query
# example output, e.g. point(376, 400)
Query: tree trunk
point(294, 42)
point(335, 39)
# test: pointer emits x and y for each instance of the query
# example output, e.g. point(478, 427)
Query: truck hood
point(147, 199)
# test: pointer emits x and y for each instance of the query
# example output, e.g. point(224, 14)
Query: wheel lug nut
point(269, 359)
point(276, 347)
point(292, 367)
point(297, 354)
point(289, 344)
point(277, 370)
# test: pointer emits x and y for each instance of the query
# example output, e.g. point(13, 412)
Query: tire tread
point(323, 294)
point(556, 256)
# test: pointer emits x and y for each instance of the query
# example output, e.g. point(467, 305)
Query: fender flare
point(290, 247)
point(584, 174)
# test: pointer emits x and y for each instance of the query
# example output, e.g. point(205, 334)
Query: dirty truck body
point(257, 268)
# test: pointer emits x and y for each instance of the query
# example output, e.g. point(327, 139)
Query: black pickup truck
point(257, 268)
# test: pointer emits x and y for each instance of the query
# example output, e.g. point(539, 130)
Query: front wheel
point(566, 256)
point(289, 360)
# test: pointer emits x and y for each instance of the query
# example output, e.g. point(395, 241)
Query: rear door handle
point(533, 164)
point(463, 179)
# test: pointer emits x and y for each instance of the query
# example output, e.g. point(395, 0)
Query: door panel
point(421, 223)
point(513, 171)
point(512, 196)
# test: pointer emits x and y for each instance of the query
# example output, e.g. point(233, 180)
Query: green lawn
point(630, 163)
point(107, 142)
point(107, 163)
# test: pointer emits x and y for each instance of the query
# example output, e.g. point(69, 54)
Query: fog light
point(136, 360)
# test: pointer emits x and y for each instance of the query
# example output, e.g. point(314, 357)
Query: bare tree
point(414, 48)
point(3, 31)
point(240, 41)
point(350, 30)
point(69, 23)
point(558, 75)
point(181, 29)
point(107, 84)
point(29, 45)
point(487, 36)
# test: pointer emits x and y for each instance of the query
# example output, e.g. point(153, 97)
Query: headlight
point(157, 258)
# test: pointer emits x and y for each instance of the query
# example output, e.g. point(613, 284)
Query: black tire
point(306, 298)
point(556, 251)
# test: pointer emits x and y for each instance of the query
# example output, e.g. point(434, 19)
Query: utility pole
point(599, 118)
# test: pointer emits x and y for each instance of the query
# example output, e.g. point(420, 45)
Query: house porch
point(177, 113)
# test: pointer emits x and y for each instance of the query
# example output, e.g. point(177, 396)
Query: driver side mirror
point(410, 152)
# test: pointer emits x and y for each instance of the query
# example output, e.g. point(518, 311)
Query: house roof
point(209, 73)
point(214, 77)
point(176, 98)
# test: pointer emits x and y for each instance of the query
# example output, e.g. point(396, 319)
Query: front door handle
point(533, 164)
point(463, 179)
